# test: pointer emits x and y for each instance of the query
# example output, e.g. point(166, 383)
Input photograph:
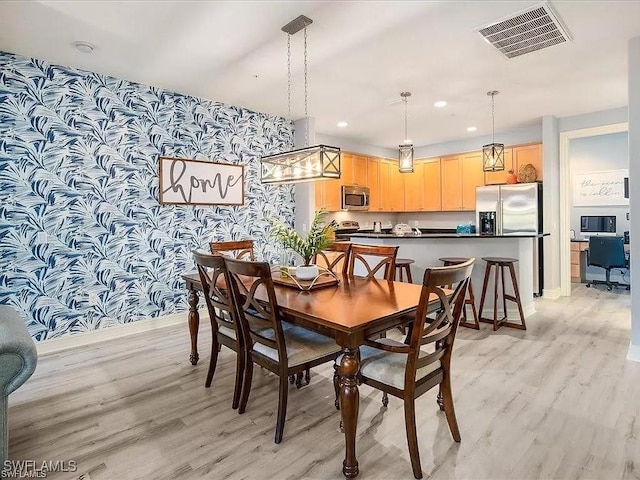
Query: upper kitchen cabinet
point(327, 195)
point(390, 187)
point(461, 174)
point(373, 182)
point(451, 175)
point(528, 154)
point(514, 158)
point(354, 169)
point(432, 199)
point(422, 187)
point(414, 188)
point(496, 178)
point(472, 177)
point(396, 188)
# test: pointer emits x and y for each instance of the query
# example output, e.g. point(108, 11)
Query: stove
point(345, 228)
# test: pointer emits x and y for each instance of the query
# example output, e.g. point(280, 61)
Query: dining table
point(355, 309)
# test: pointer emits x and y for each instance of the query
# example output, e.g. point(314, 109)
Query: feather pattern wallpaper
point(84, 243)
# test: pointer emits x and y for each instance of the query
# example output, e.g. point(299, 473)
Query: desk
point(355, 309)
point(579, 260)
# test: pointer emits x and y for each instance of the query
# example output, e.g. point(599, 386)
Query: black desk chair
point(607, 253)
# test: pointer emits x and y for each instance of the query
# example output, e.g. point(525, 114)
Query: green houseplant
point(319, 237)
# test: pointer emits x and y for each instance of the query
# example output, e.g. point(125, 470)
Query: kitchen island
point(427, 248)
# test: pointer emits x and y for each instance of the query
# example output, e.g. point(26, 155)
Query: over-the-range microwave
point(355, 197)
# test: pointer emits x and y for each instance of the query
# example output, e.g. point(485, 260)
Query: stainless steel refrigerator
point(513, 210)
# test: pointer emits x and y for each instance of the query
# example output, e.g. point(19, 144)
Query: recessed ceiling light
point(343, 124)
point(440, 104)
point(83, 47)
point(472, 129)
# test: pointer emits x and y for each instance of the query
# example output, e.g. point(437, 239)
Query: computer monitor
point(598, 224)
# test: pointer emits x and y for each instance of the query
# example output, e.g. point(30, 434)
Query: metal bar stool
point(404, 265)
point(469, 300)
point(501, 263)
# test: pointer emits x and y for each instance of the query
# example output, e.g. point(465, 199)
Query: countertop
point(443, 235)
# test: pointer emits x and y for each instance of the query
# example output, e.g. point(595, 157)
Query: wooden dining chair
point(225, 331)
point(385, 253)
point(335, 257)
point(280, 347)
point(408, 371)
point(240, 249)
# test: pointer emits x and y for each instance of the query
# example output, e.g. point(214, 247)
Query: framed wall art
point(200, 182)
point(599, 188)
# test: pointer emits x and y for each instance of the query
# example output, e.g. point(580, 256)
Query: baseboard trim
point(514, 316)
point(634, 353)
point(551, 293)
point(83, 339)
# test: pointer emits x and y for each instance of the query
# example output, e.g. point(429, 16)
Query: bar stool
point(404, 265)
point(501, 263)
point(469, 300)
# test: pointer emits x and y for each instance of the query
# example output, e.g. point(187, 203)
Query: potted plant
point(319, 237)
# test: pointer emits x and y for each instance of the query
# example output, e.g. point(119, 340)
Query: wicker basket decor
point(527, 173)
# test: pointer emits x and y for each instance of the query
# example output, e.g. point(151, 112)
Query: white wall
point(514, 137)
point(355, 146)
point(594, 154)
point(634, 179)
point(594, 119)
point(551, 205)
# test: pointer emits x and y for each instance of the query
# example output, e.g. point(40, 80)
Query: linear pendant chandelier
point(306, 164)
point(493, 153)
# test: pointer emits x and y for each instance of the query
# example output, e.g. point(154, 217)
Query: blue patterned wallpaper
point(79, 211)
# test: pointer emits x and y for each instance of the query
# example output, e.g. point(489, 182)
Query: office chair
point(607, 253)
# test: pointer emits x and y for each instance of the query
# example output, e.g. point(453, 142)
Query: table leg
point(349, 405)
point(194, 323)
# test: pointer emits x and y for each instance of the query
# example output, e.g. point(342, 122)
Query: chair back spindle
point(386, 253)
point(260, 321)
point(214, 276)
point(442, 330)
point(335, 257)
point(241, 249)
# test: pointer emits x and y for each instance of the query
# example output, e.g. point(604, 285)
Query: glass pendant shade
point(304, 165)
point(405, 151)
point(405, 158)
point(493, 153)
point(493, 157)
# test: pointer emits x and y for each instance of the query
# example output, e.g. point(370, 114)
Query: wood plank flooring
point(557, 401)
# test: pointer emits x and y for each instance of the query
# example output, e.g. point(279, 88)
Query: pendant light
point(493, 153)
point(304, 164)
point(405, 151)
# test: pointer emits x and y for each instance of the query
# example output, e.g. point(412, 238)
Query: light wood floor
point(557, 401)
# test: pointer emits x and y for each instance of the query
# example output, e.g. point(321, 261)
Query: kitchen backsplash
point(424, 219)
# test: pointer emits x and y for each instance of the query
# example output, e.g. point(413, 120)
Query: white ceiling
point(361, 56)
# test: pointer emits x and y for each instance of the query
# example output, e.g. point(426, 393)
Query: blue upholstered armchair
point(18, 359)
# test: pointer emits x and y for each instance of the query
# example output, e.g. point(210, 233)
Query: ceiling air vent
point(532, 29)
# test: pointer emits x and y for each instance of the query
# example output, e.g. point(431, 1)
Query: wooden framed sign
point(599, 188)
point(198, 182)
